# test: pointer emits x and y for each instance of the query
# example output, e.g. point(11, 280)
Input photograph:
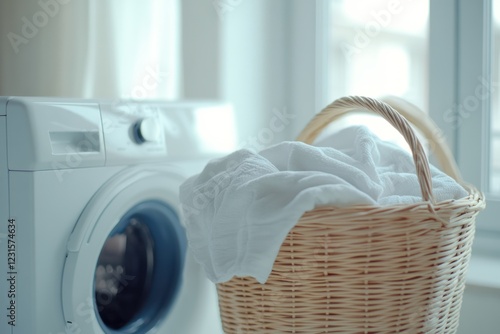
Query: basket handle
point(351, 103)
point(431, 131)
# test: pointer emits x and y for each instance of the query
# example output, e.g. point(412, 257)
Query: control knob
point(146, 130)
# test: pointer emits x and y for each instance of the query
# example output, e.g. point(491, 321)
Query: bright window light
point(379, 48)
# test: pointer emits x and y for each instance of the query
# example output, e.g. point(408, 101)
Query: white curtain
point(102, 49)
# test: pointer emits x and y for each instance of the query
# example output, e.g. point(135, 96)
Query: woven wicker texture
point(364, 269)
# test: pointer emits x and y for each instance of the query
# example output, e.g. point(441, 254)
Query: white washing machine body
point(91, 238)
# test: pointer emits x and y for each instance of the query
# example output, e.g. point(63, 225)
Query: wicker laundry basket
point(366, 269)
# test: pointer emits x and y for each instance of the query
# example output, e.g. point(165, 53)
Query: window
point(494, 181)
point(444, 56)
point(378, 48)
point(463, 84)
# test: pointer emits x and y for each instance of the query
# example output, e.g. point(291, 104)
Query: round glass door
point(139, 269)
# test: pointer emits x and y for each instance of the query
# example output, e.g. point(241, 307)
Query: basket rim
point(444, 212)
point(474, 195)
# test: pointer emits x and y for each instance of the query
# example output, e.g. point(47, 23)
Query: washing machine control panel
point(166, 131)
point(51, 133)
point(133, 132)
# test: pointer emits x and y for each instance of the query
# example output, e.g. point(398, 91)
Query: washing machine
point(91, 236)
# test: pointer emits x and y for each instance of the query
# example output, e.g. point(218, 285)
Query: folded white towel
point(239, 210)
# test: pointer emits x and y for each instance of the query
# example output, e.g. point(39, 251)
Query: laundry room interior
point(249, 166)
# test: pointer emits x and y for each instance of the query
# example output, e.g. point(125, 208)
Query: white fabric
point(239, 210)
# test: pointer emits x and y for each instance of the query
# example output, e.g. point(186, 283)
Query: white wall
point(255, 61)
point(247, 64)
point(201, 50)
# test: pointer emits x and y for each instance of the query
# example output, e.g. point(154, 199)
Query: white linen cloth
point(239, 210)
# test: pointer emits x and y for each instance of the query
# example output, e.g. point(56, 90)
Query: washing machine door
point(125, 256)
